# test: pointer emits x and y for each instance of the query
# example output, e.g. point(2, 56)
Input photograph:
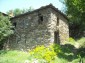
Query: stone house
point(3, 14)
point(43, 26)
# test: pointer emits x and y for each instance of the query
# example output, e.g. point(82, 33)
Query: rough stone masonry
point(43, 26)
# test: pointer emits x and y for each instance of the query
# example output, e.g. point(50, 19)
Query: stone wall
point(61, 27)
point(29, 32)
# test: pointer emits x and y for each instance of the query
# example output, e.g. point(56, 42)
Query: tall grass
point(63, 54)
point(13, 56)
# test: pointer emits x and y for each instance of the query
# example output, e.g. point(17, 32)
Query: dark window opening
point(14, 24)
point(40, 18)
point(57, 21)
point(56, 37)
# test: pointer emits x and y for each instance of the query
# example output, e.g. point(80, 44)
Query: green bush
point(5, 27)
point(81, 42)
point(57, 48)
point(70, 41)
point(42, 52)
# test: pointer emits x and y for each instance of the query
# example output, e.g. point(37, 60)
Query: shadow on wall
point(25, 43)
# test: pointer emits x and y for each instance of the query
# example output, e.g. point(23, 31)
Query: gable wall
point(29, 33)
point(63, 26)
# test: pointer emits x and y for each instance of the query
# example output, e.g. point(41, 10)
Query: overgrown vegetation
point(72, 51)
point(51, 54)
point(18, 11)
point(13, 56)
point(43, 53)
point(5, 27)
point(75, 11)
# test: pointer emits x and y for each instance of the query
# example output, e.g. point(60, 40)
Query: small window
point(40, 18)
point(14, 24)
point(57, 21)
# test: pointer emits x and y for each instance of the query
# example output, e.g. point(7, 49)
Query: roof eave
point(50, 6)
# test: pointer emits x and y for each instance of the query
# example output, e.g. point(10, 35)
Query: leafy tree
point(27, 10)
point(75, 10)
point(5, 27)
point(19, 11)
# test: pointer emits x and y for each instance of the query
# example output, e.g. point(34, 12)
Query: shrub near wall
point(42, 52)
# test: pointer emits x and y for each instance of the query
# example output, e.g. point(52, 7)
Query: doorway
point(56, 37)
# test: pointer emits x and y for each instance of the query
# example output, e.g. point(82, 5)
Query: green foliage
point(57, 48)
point(76, 60)
point(60, 60)
point(13, 56)
point(19, 11)
point(81, 42)
point(71, 39)
point(5, 27)
point(81, 47)
point(75, 10)
point(52, 54)
point(42, 52)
